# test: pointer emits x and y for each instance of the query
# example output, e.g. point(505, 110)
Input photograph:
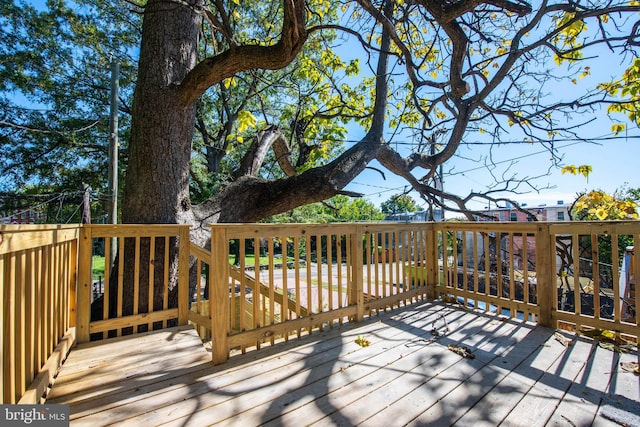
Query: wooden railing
point(145, 286)
point(37, 295)
point(283, 280)
point(592, 291)
point(265, 283)
point(563, 275)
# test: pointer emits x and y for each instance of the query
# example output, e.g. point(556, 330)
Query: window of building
point(513, 216)
point(560, 216)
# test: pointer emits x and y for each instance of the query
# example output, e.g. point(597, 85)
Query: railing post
point(83, 304)
point(432, 279)
point(219, 295)
point(73, 280)
point(545, 276)
point(356, 289)
point(183, 274)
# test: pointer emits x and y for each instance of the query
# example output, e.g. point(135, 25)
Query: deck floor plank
point(397, 391)
point(349, 379)
point(159, 393)
point(406, 376)
point(105, 374)
point(581, 403)
point(540, 402)
point(469, 398)
point(314, 369)
point(524, 366)
point(429, 401)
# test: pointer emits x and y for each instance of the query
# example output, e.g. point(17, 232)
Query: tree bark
point(157, 181)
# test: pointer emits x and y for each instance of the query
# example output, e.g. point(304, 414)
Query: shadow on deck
point(519, 375)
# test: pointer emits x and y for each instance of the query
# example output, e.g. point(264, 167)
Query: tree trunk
point(157, 181)
point(163, 122)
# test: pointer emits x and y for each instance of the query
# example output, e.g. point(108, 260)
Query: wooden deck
point(520, 376)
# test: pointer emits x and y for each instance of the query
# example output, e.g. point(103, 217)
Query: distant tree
point(399, 203)
point(633, 194)
point(337, 209)
point(348, 210)
point(54, 94)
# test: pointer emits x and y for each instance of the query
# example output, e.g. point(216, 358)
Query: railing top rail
point(555, 227)
point(259, 229)
point(23, 237)
point(589, 227)
point(529, 227)
point(134, 230)
point(18, 228)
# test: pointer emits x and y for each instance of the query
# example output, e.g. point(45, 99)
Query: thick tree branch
point(247, 57)
point(254, 158)
point(261, 198)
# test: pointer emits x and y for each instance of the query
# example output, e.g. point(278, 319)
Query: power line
point(507, 160)
point(388, 189)
point(602, 138)
point(33, 208)
point(560, 140)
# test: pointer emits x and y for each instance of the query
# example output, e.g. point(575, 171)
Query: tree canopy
point(337, 209)
point(236, 111)
point(399, 203)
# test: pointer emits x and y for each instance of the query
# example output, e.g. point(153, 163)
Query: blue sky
point(614, 158)
point(614, 162)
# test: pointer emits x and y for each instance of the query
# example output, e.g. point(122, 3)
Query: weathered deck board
point(580, 405)
point(407, 376)
point(97, 372)
point(344, 372)
point(490, 370)
point(398, 398)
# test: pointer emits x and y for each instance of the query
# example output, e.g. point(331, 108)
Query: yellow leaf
point(585, 170)
point(601, 214)
point(245, 120)
point(617, 128)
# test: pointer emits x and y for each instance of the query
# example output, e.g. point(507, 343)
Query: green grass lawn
point(97, 267)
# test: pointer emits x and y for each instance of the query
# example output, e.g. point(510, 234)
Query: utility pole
point(113, 153)
point(86, 204)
